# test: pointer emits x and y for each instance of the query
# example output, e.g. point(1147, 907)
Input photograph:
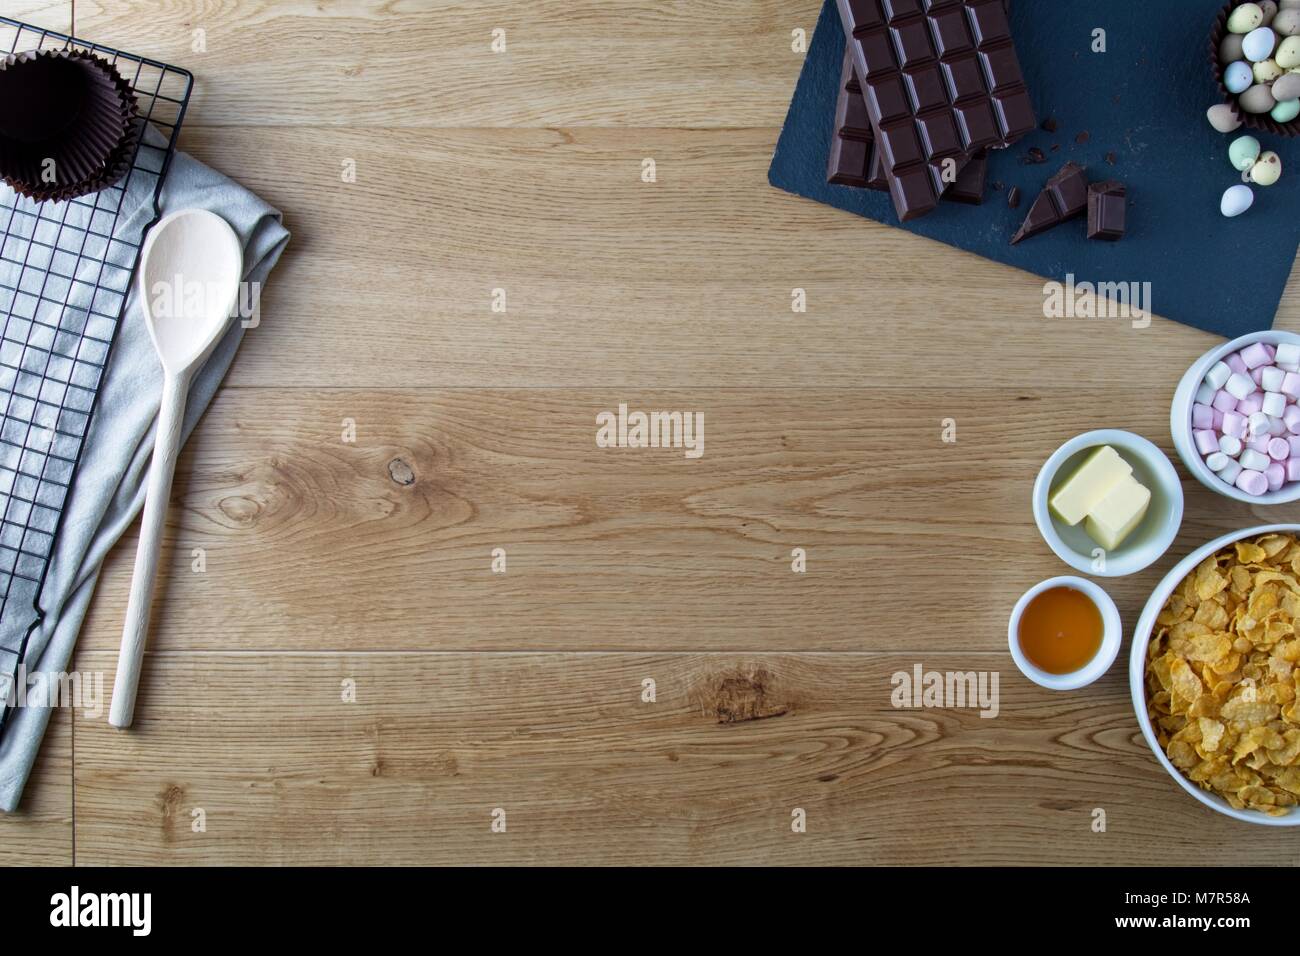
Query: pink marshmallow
point(1257, 374)
point(1279, 449)
point(1224, 401)
point(1218, 419)
point(1252, 482)
point(1251, 404)
point(1202, 416)
point(1293, 469)
point(1259, 444)
point(1254, 355)
point(1272, 352)
point(1276, 475)
point(1294, 442)
point(1234, 425)
point(1291, 384)
point(1291, 417)
point(1235, 363)
point(1207, 443)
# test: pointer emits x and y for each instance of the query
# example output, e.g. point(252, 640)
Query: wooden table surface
point(370, 561)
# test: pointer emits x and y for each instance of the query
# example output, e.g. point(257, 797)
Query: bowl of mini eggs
point(1255, 51)
point(1235, 418)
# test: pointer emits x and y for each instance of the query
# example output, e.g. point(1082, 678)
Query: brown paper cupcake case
point(85, 120)
point(1261, 122)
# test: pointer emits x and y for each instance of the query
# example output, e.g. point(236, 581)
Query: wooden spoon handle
point(166, 447)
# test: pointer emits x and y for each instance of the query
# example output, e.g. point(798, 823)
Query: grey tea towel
point(108, 491)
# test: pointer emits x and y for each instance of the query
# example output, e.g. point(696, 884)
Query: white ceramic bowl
point(1137, 674)
point(1180, 422)
point(1111, 638)
point(1149, 540)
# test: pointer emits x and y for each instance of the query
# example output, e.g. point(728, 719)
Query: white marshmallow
point(1253, 460)
point(1258, 424)
point(1230, 472)
point(1288, 353)
point(1205, 394)
point(1277, 427)
point(1239, 385)
point(1274, 404)
point(1229, 446)
point(1271, 378)
point(1217, 461)
point(1218, 375)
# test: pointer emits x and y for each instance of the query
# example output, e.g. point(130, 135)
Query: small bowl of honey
point(1064, 633)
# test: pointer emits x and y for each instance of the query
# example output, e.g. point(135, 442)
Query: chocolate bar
point(1064, 197)
point(854, 160)
point(941, 81)
point(853, 154)
point(1107, 204)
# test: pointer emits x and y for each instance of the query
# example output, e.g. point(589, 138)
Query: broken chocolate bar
point(1064, 197)
point(855, 161)
point(941, 81)
point(853, 154)
point(1106, 210)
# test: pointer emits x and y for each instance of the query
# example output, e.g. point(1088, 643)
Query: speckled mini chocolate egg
point(1287, 87)
point(1231, 48)
point(1258, 99)
point(1245, 18)
point(1287, 22)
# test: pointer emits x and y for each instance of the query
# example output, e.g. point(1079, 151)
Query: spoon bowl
point(189, 281)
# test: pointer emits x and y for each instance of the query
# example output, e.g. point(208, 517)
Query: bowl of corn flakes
point(1215, 674)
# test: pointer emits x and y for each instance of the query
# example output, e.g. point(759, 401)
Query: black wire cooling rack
point(65, 275)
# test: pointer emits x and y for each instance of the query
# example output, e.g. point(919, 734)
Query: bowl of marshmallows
point(1235, 418)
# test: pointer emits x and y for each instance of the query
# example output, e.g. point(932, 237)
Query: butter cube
point(1100, 472)
point(1113, 518)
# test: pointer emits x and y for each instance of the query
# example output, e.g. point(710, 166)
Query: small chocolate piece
point(1064, 197)
point(1034, 157)
point(1050, 125)
point(941, 82)
point(1107, 205)
point(968, 188)
point(1083, 137)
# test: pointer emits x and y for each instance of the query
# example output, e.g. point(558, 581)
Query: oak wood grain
point(311, 542)
point(377, 63)
point(710, 772)
point(47, 14)
point(39, 832)
point(608, 280)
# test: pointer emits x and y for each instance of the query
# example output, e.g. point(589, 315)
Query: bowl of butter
point(1108, 503)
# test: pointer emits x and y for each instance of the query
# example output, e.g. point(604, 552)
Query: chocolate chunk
point(1083, 137)
point(1064, 197)
point(1050, 125)
point(1034, 157)
point(1107, 204)
point(941, 82)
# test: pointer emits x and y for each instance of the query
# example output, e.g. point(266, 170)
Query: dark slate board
point(1145, 100)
